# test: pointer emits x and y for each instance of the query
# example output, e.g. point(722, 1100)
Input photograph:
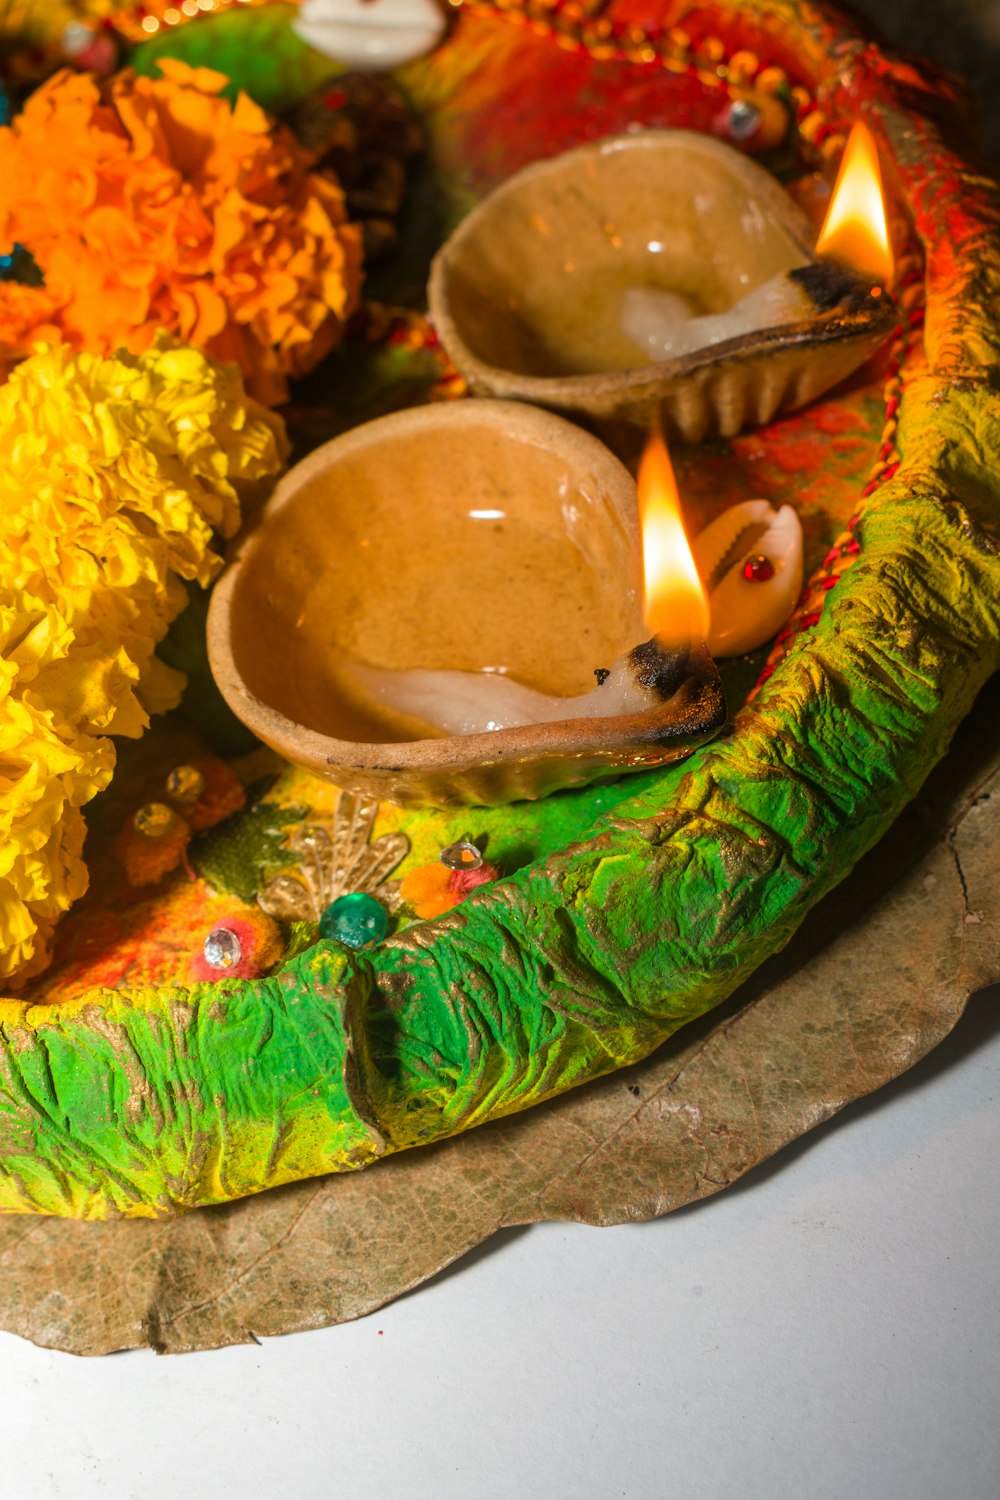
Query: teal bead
point(355, 920)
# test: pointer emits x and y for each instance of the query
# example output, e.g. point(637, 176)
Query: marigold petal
point(176, 210)
point(205, 80)
point(116, 474)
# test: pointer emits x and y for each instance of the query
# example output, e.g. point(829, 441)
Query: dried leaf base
point(812, 1031)
point(149, 1099)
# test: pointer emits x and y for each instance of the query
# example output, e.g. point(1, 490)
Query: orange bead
point(743, 65)
point(810, 127)
point(710, 50)
point(771, 79)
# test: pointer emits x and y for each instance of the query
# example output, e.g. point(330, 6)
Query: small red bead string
point(846, 549)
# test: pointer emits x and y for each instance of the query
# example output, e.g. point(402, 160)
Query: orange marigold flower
point(434, 889)
point(26, 315)
point(173, 209)
point(428, 890)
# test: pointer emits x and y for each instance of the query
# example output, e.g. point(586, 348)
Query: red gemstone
point(758, 569)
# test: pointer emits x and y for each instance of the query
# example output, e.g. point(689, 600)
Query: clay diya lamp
point(484, 541)
point(659, 275)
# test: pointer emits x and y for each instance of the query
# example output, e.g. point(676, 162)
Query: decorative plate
point(627, 910)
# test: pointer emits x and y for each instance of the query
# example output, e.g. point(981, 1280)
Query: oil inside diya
point(476, 537)
point(659, 275)
point(731, 590)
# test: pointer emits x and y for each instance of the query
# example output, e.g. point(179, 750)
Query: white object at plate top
point(371, 34)
point(746, 613)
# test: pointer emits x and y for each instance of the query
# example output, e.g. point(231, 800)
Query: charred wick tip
point(687, 681)
point(659, 667)
point(830, 286)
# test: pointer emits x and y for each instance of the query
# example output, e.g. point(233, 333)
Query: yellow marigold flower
point(116, 474)
point(174, 210)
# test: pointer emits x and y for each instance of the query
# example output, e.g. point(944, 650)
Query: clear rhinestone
point(222, 949)
point(185, 784)
point(744, 118)
point(462, 856)
point(154, 819)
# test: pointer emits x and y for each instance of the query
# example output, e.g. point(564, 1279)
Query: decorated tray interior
point(144, 1074)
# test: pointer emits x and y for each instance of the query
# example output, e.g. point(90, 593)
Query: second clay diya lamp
point(489, 542)
point(663, 276)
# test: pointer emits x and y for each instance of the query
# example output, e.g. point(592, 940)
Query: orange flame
point(674, 603)
point(855, 229)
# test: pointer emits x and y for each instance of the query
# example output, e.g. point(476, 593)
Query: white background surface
point(829, 1328)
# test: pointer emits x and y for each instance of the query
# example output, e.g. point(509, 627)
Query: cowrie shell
point(746, 613)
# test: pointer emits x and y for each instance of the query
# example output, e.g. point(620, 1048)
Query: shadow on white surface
point(828, 1328)
point(978, 1028)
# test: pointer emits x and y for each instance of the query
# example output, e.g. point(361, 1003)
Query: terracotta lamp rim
point(485, 768)
point(710, 392)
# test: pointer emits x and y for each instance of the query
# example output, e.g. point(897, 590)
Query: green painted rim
point(150, 1102)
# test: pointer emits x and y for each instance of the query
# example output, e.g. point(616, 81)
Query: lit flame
point(674, 603)
point(854, 229)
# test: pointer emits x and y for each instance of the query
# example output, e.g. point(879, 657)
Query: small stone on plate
point(743, 119)
point(222, 949)
point(758, 569)
point(185, 784)
point(355, 920)
point(462, 856)
point(154, 819)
